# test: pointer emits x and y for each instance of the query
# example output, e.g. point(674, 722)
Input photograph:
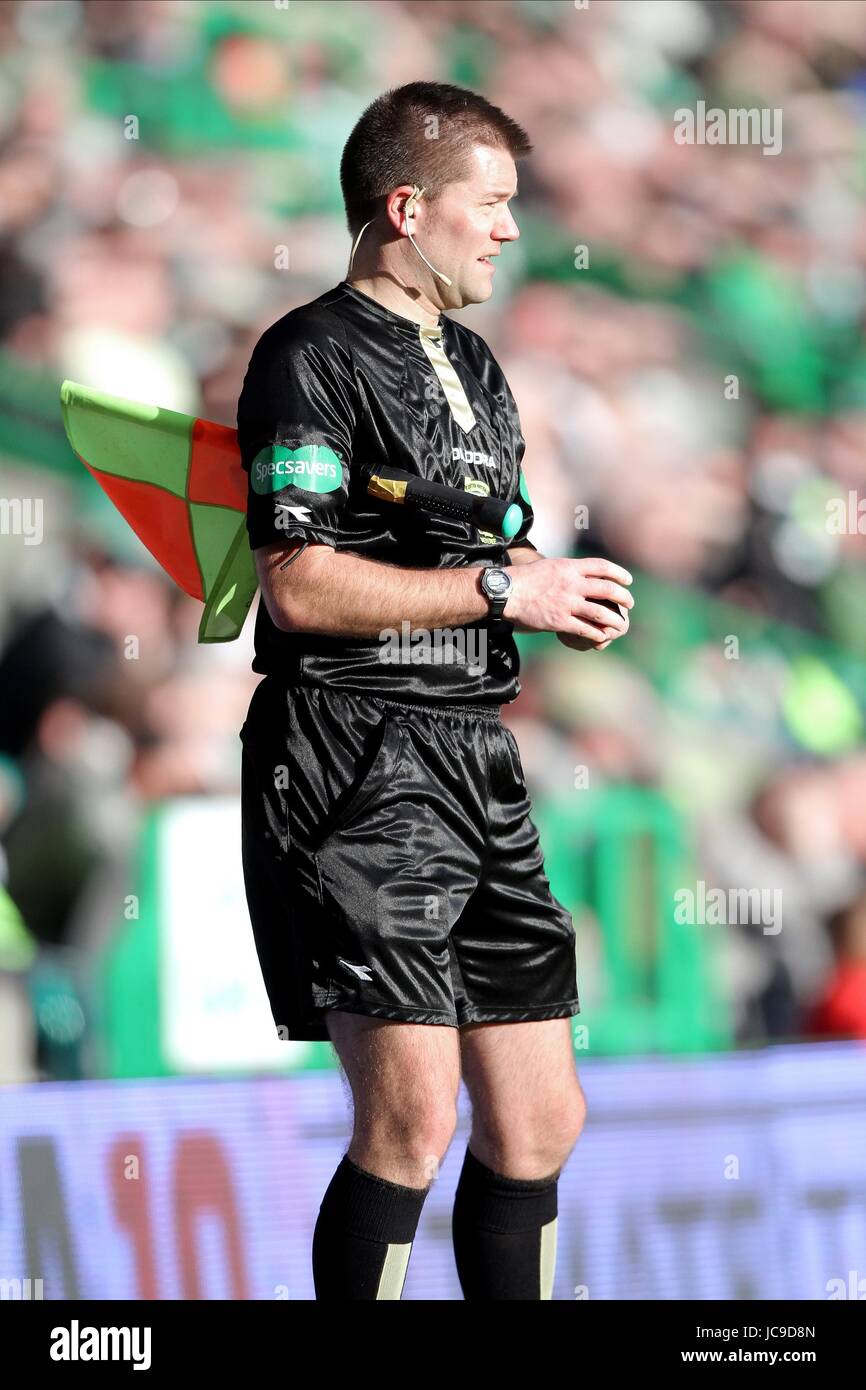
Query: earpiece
point(409, 208)
point(409, 214)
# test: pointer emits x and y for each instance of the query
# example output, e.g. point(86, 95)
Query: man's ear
point(399, 213)
point(409, 209)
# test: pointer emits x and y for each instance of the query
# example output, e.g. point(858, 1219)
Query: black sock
point(504, 1232)
point(363, 1236)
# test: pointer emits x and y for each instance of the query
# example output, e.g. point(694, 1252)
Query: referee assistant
point(394, 876)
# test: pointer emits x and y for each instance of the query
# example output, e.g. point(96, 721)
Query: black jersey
point(335, 390)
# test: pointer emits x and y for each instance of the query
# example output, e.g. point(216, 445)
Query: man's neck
point(391, 293)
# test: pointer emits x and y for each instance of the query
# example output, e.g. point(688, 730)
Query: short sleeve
point(520, 492)
point(296, 423)
point(522, 500)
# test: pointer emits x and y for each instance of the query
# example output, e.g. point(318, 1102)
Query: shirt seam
point(357, 389)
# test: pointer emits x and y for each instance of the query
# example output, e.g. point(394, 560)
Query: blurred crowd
point(682, 327)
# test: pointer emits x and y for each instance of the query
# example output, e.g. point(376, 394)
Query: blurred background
point(682, 324)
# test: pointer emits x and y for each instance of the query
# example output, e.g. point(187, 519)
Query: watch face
point(497, 582)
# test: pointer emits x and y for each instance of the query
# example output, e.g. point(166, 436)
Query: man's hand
point(582, 601)
point(583, 644)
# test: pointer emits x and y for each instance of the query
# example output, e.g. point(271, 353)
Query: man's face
point(468, 222)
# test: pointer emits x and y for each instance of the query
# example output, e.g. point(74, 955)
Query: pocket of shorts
point(377, 767)
point(516, 763)
point(255, 721)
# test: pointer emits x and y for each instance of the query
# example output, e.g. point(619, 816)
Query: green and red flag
point(180, 484)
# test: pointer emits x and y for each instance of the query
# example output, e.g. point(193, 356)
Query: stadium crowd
point(682, 327)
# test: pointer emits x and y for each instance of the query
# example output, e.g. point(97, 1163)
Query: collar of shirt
point(398, 320)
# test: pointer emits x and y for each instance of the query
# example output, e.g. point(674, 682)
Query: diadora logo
point(471, 456)
point(291, 514)
point(313, 467)
point(362, 971)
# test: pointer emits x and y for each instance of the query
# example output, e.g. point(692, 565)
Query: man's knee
point(422, 1131)
point(404, 1080)
point(535, 1143)
point(562, 1124)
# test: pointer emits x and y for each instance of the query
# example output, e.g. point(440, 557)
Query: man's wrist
point(496, 586)
point(523, 554)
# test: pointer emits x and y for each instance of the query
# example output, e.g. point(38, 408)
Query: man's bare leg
point(404, 1079)
point(528, 1109)
point(528, 1106)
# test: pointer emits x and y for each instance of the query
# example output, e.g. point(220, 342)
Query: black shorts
point(391, 866)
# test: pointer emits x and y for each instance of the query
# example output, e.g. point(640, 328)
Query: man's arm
point(524, 554)
point(345, 595)
point(340, 594)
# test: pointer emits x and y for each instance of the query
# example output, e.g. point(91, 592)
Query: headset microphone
point(409, 211)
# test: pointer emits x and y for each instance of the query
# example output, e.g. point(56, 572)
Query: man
point(394, 877)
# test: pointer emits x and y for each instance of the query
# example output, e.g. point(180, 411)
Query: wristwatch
point(496, 585)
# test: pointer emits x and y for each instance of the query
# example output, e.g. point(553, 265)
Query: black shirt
point(334, 390)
